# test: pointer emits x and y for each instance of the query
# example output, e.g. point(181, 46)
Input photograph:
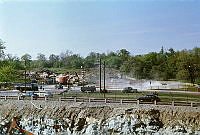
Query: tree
point(27, 60)
point(14, 61)
point(114, 62)
point(64, 59)
point(41, 60)
point(187, 66)
point(123, 54)
point(91, 59)
point(172, 52)
point(76, 61)
point(2, 47)
point(26, 57)
point(54, 61)
point(128, 66)
point(7, 74)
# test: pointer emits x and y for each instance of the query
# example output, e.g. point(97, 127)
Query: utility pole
point(104, 74)
point(104, 78)
point(25, 75)
point(100, 74)
point(83, 75)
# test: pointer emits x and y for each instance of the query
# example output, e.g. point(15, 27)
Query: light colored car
point(29, 94)
point(44, 94)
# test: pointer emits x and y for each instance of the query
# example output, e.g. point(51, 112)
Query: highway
point(51, 88)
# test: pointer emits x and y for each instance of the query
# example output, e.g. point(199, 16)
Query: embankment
point(49, 118)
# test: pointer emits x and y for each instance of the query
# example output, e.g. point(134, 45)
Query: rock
point(98, 119)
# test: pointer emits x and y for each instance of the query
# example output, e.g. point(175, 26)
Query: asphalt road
point(51, 88)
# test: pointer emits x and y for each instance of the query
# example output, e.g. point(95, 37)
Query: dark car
point(59, 86)
point(88, 89)
point(63, 92)
point(149, 98)
point(129, 90)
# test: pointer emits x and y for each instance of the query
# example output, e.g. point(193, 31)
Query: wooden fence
point(103, 100)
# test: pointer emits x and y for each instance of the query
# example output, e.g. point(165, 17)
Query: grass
point(119, 95)
point(179, 97)
point(192, 89)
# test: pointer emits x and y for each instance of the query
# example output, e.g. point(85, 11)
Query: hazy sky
point(82, 26)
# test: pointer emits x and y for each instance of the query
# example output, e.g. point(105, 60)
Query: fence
point(102, 100)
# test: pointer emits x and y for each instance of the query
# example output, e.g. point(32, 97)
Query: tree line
point(163, 65)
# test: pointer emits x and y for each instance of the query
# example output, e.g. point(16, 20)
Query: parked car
point(44, 94)
point(149, 98)
point(129, 90)
point(59, 86)
point(88, 89)
point(29, 94)
point(65, 91)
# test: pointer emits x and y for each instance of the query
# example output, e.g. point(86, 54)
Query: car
point(149, 98)
point(65, 91)
point(129, 90)
point(59, 86)
point(88, 89)
point(29, 94)
point(44, 94)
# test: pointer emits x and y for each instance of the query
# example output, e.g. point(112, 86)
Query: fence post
point(155, 102)
point(60, 98)
point(45, 98)
point(105, 100)
point(5, 97)
point(121, 101)
point(191, 104)
point(89, 100)
point(18, 97)
point(74, 99)
point(138, 102)
point(172, 103)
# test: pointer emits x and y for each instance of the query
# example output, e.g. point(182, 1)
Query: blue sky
point(82, 26)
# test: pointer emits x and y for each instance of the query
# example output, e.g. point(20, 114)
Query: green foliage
point(162, 65)
point(188, 65)
point(7, 74)
point(91, 60)
point(41, 61)
point(114, 62)
point(76, 61)
point(26, 58)
point(184, 65)
point(2, 47)
point(53, 61)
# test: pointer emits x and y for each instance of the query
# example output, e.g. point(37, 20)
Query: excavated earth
point(64, 118)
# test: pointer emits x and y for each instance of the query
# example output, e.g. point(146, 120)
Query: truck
point(25, 87)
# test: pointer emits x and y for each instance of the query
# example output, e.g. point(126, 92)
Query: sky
point(84, 26)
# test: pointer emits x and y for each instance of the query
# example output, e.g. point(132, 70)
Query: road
point(51, 88)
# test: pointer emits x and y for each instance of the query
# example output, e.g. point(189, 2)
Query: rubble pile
point(52, 118)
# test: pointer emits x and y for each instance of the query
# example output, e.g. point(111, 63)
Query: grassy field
point(120, 95)
point(192, 89)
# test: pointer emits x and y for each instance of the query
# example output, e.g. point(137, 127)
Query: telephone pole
point(25, 75)
point(104, 78)
point(100, 74)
